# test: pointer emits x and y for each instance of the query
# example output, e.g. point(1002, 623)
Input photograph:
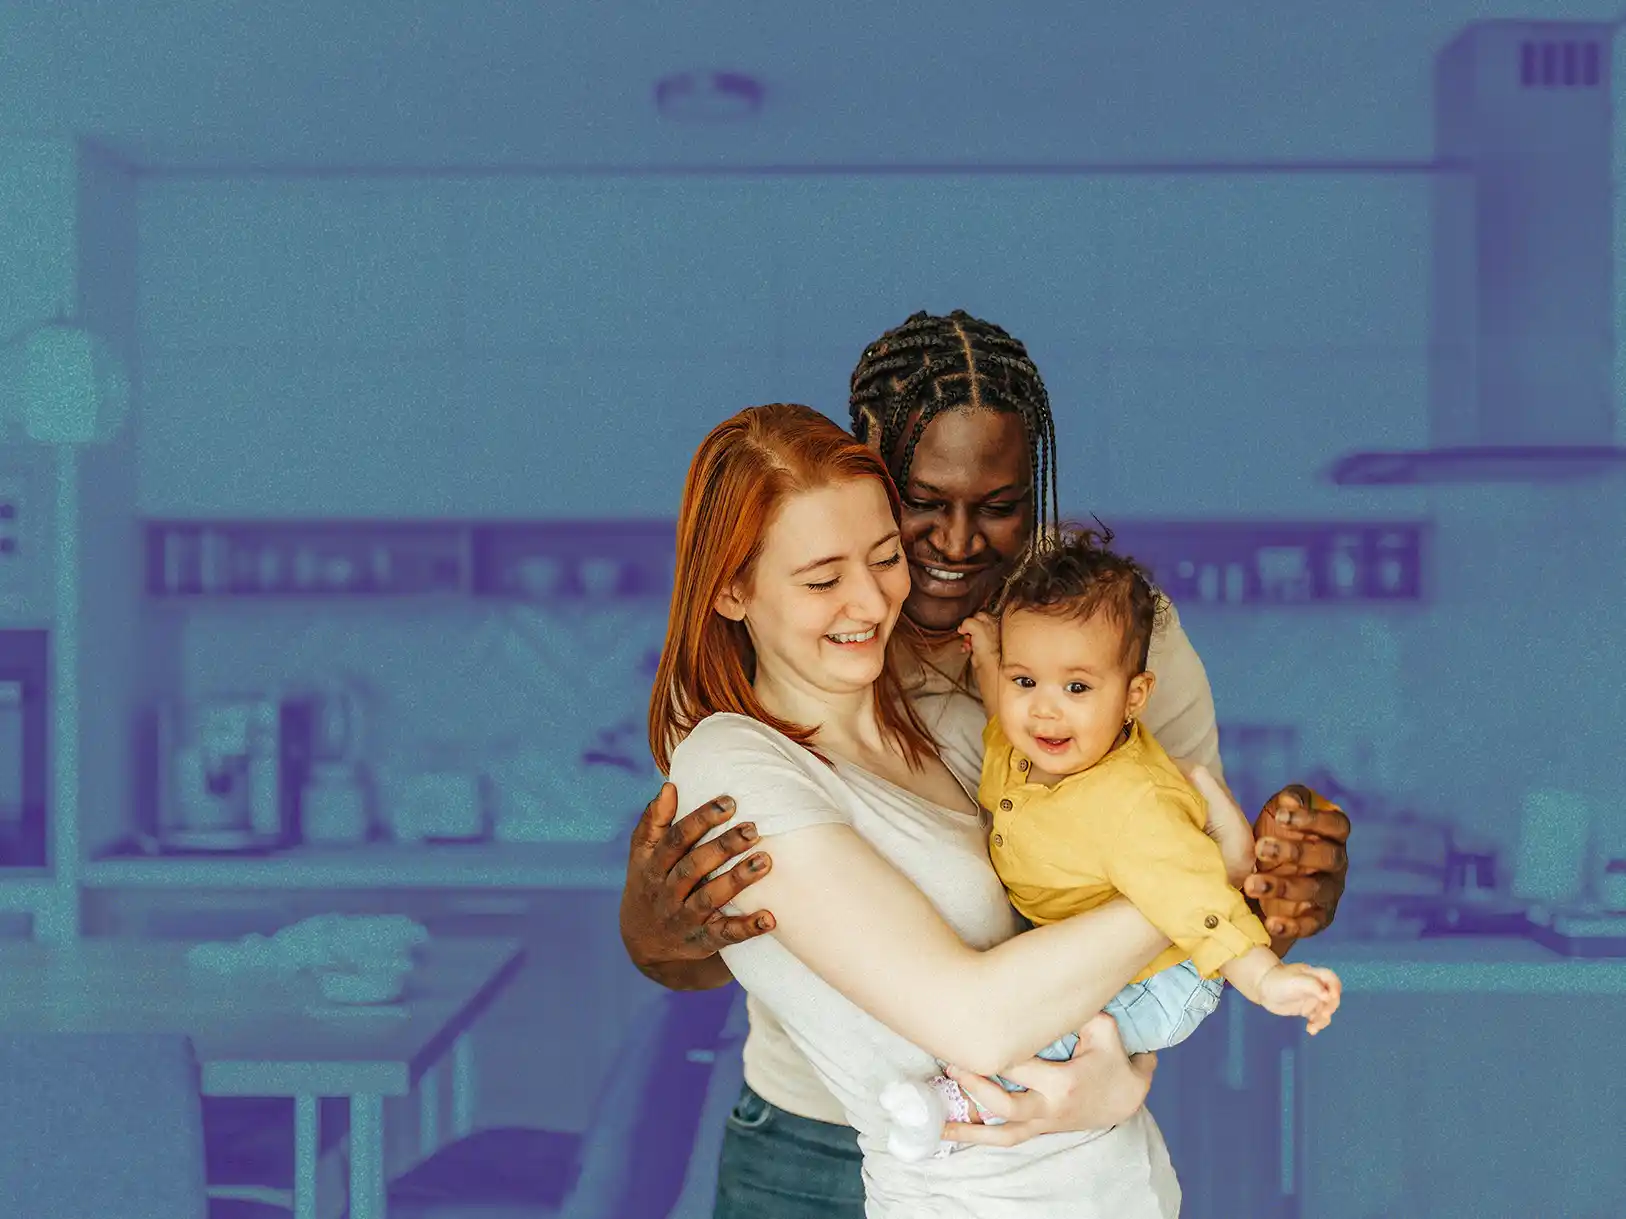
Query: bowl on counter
point(368, 986)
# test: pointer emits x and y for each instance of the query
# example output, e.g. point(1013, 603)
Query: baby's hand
point(1291, 989)
point(980, 634)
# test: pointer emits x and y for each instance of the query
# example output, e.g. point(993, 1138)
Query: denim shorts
point(1154, 1014)
point(775, 1165)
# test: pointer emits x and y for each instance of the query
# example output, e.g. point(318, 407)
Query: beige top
point(1180, 714)
point(848, 1054)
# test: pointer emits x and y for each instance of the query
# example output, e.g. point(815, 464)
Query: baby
point(1086, 805)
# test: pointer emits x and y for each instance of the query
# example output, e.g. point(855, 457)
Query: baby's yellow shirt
point(1130, 824)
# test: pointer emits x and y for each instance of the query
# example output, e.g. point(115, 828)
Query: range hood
point(1522, 378)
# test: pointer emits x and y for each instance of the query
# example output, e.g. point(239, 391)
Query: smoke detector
point(708, 97)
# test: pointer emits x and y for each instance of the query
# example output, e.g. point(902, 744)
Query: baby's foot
point(919, 1110)
point(916, 1112)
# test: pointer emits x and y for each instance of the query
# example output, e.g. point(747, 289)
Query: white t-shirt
point(1180, 714)
point(781, 787)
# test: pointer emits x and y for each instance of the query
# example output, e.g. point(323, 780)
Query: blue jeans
point(776, 1165)
point(1154, 1014)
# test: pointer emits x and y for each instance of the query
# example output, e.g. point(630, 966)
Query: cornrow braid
point(934, 364)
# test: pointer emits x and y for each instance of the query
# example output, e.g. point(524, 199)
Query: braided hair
point(936, 364)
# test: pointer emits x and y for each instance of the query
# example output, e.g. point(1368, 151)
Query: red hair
point(741, 474)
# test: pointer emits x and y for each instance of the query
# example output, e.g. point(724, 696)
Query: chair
point(629, 1164)
point(94, 1125)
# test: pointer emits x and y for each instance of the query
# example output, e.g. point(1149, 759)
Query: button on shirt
point(1131, 825)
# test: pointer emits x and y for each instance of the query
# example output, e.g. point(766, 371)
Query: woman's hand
point(671, 916)
point(1099, 1087)
point(1303, 863)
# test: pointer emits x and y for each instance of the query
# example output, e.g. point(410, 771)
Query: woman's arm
point(866, 930)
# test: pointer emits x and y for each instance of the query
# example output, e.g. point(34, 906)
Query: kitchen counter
point(597, 866)
point(1462, 965)
point(1435, 966)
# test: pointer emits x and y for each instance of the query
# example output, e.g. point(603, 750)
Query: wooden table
point(274, 1035)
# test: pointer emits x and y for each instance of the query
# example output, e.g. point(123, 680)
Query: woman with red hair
point(895, 944)
point(957, 410)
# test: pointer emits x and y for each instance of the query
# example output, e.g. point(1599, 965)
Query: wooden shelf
point(1281, 563)
point(1245, 562)
point(365, 560)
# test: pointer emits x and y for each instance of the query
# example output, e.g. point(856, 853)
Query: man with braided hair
point(959, 412)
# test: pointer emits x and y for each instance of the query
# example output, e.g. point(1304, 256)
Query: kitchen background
point(406, 324)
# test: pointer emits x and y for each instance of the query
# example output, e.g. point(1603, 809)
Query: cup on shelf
point(600, 577)
point(538, 576)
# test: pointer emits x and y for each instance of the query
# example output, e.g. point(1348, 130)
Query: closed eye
point(824, 586)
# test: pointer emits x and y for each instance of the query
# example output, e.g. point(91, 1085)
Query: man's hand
point(1098, 1088)
point(670, 913)
point(1300, 843)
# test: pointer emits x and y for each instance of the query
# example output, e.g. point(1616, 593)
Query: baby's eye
point(1077, 687)
point(1025, 683)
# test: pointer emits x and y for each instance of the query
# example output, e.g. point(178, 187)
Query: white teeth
point(938, 574)
point(860, 637)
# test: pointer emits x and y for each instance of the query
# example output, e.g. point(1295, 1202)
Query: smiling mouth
point(945, 575)
point(852, 637)
point(1051, 744)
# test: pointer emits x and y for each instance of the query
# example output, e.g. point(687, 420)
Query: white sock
point(917, 1112)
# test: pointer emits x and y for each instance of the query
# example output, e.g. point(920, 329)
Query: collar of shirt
point(1018, 766)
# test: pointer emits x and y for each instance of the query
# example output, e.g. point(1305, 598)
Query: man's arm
point(672, 920)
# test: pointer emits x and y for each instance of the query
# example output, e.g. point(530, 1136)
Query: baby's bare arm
point(981, 634)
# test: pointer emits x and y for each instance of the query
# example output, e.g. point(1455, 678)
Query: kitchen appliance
point(444, 805)
point(1524, 262)
point(230, 772)
point(337, 805)
point(1555, 834)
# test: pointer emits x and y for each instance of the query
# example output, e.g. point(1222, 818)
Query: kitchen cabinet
point(1462, 1078)
point(1225, 1102)
point(1466, 1106)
